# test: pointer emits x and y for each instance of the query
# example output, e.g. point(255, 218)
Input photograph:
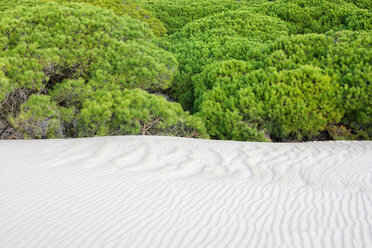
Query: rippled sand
point(139, 191)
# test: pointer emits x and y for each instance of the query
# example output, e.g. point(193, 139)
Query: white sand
point(174, 192)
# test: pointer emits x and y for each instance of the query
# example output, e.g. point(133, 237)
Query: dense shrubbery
point(344, 72)
point(318, 16)
point(69, 52)
point(126, 7)
point(176, 14)
point(246, 70)
point(135, 112)
point(287, 104)
point(234, 34)
point(308, 16)
point(39, 117)
point(344, 56)
point(44, 45)
point(365, 4)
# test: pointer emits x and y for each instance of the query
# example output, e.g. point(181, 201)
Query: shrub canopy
point(245, 70)
point(235, 34)
point(69, 51)
point(129, 8)
point(306, 81)
point(318, 16)
point(176, 14)
point(290, 104)
point(124, 112)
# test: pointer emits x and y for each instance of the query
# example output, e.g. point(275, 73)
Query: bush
point(129, 8)
point(337, 62)
point(39, 117)
point(249, 70)
point(130, 112)
point(176, 14)
point(340, 132)
point(365, 4)
point(290, 104)
point(315, 16)
point(44, 44)
point(360, 20)
point(235, 34)
point(9, 4)
point(345, 57)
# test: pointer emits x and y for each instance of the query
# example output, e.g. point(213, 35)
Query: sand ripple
point(174, 192)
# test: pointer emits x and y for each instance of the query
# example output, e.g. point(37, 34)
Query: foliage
point(345, 56)
point(278, 98)
point(317, 16)
point(234, 34)
point(129, 8)
point(9, 4)
point(42, 46)
point(135, 112)
point(288, 104)
point(365, 4)
point(86, 41)
point(248, 70)
point(360, 20)
point(340, 133)
point(39, 117)
point(176, 14)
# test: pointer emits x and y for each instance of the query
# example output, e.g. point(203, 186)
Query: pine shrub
point(231, 35)
point(39, 117)
point(130, 112)
point(317, 16)
point(346, 57)
point(46, 48)
point(176, 14)
point(290, 104)
point(129, 8)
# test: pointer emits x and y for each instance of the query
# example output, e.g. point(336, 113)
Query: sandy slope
point(173, 192)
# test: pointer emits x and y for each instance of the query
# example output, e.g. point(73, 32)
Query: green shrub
point(360, 20)
point(345, 56)
point(235, 34)
point(176, 14)
point(242, 23)
point(315, 16)
point(44, 44)
point(365, 4)
point(11, 4)
point(71, 92)
point(337, 132)
point(39, 117)
point(52, 42)
point(249, 70)
point(130, 112)
point(254, 96)
point(290, 104)
point(129, 8)
point(5, 85)
point(219, 73)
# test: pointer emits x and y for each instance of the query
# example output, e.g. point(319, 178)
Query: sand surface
point(173, 192)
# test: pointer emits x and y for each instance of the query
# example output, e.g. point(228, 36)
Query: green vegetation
point(318, 16)
point(129, 8)
point(234, 34)
point(39, 117)
point(136, 112)
point(287, 104)
point(345, 57)
point(253, 70)
point(176, 14)
point(70, 51)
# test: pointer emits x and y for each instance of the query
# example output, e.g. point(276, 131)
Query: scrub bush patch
point(250, 70)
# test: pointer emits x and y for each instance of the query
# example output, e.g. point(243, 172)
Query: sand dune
point(173, 192)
